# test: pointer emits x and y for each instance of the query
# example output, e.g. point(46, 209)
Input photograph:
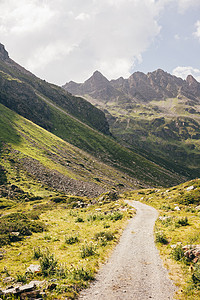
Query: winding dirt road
point(135, 270)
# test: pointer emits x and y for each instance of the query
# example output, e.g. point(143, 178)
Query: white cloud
point(82, 17)
point(66, 40)
point(183, 72)
point(197, 32)
point(186, 4)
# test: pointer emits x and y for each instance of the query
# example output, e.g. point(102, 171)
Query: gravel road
point(135, 269)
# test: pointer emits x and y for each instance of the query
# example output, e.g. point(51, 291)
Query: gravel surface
point(135, 269)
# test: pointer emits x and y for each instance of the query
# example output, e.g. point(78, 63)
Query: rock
point(15, 233)
point(190, 188)
point(34, 269)
point(177, 208)
point(8, 279)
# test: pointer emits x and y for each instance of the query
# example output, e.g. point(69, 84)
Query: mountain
point(157, 85)
point(28, 95)
point(75, 121)
point(157, 115)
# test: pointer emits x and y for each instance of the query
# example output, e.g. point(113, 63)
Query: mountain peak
point(98, 75)
point(3, 53)
point(191, 80)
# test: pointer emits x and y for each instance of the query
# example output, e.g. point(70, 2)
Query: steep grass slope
point(106, 149)
point(30, 149)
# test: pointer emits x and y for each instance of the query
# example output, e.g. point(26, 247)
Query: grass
point(162, 131)
point(178, 225)
point(73, 251)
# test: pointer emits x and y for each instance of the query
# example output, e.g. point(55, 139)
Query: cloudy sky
point(67, 40)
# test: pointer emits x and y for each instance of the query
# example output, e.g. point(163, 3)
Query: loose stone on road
point(135, 270)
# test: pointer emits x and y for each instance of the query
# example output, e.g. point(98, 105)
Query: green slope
point(29, 150)
point(30, 140)
point(163, 131)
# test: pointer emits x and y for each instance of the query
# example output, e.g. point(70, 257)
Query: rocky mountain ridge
point(141, 87)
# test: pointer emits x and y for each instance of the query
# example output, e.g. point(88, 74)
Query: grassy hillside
point(177, 232)
point(104, 148)
point(28, 148)
point(167, 132)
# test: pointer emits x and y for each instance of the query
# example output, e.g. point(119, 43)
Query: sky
point(66, 40)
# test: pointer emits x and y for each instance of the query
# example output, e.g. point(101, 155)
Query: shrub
point(103, 237)
point(3, 177)
point(37, 253)
point(177, 253)
point(59, 199)
point(187, 198)
point(116, 216)
point(88, 250)
point(48, 263)
point(196, 275)
point(161, 238)
point(71, 240)
point(182, 222)
point(109, 236)
point(79, 220)
point(82, 274)
point(21, 278)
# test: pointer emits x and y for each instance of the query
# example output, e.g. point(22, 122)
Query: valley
point(67, 169)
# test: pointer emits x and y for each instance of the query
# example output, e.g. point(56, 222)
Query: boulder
point(190, 188)
point(34, 269)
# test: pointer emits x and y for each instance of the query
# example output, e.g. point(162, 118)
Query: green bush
point(116, 216)
point(109, 236)
point(177, 253)
point(48, 263)
point(103, 237)
point(187, 198)
point(196, 275)
point(37, 253)
point(21, 278)
point(88, 250)
point(161, 238)
point(3, 177)
point(81, 274)
point(79, 220)
point(182, 222)
point(17, 222)
point(71, 240)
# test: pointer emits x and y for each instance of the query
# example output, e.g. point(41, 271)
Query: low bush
point(116, 216)
point(81, 274)
point(182, 222)
point(15, 226)
point(103, 237)
point(196, 275)
point(79, 220)
point(37, 253)
point(177, 253)
point(187, 198)
point(161, 238)
point(48, 263)
point(71, 240)
point(88, 250)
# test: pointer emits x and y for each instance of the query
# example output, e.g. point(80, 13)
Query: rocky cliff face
point(157, 85)
point(3, 53)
